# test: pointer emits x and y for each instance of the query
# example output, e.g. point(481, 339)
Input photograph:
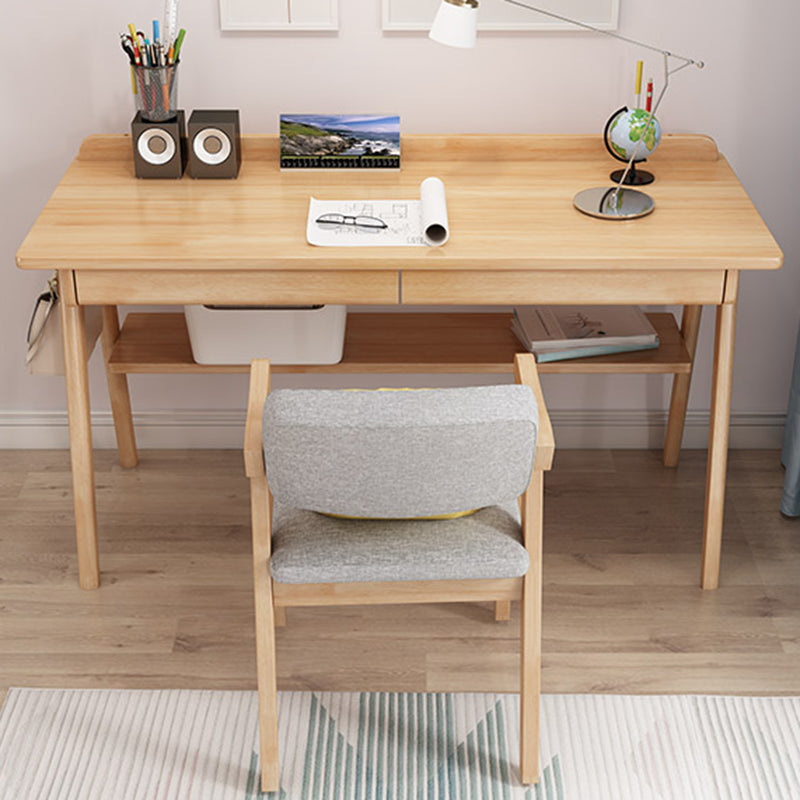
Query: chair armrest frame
point(253, 439)
point(525, 373)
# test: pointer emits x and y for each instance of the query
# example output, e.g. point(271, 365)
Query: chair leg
point(267, 688)
point(260, 507)
point(502, 610)
point(531, 621)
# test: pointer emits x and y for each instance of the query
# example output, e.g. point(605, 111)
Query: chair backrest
point(399, 454)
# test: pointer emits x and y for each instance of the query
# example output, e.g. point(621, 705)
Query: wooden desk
point(515, 239)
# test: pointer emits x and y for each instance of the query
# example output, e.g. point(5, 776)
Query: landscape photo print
point(349, 141)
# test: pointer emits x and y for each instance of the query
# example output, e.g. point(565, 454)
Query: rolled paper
point(433, 209)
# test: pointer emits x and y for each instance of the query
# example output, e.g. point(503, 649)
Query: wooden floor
point(622, 607)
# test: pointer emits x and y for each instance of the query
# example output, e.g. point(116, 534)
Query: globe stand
point(614, 202)
point(634, 178)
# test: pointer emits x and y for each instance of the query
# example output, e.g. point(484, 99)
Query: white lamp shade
point(455, 25)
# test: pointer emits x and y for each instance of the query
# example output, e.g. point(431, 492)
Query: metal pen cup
point(156, 91)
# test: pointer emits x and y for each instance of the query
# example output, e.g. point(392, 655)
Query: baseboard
point(645, 429)
point(37, 430)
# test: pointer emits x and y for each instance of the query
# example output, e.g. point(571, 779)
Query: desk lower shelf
point(396, 342)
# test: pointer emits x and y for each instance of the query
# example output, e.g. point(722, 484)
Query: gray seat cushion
point(312, 548)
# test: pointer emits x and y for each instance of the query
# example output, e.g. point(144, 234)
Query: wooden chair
point(387, 459)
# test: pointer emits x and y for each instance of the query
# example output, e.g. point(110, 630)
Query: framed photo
point(495, 15)
point(279, 15)
point(340, 141)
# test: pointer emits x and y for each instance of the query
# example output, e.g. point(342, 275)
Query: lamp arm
point(687, 61)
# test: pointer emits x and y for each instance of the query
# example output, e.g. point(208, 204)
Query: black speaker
point(159, 148)
point(215, 146)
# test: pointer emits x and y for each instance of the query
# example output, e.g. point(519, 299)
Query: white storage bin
point(284, 335)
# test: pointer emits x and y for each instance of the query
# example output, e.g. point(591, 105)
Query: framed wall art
point(279, 15)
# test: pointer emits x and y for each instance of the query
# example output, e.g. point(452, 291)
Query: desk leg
point(718, 444)
point(80, 441)
point(690, 327)
point(118, 393)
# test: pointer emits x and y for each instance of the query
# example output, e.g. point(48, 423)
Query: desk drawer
point(107, 287)
point(516, 287)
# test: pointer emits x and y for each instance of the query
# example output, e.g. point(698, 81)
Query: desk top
point(509, 204)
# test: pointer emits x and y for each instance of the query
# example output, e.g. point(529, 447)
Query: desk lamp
point(456, 24)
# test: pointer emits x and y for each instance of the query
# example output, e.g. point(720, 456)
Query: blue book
point(598, 350)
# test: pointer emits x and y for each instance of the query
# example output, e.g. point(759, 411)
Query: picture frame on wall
point(495, 15)
point(279, 15)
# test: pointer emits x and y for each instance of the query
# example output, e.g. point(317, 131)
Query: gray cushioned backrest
point(399, 453)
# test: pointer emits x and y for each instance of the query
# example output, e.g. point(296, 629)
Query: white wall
point(69, 78)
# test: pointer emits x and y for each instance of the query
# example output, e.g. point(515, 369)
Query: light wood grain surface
point(509, 203)
point(622, 611)
point(516, 237)
point(388, 343)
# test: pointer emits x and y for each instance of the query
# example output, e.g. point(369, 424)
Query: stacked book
point(557, 333)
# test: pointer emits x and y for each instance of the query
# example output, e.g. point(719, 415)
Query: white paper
point(411, 223)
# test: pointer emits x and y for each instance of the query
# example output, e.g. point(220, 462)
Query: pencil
point(639, 68)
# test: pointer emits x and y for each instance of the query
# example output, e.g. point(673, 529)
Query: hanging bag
point(45, 354)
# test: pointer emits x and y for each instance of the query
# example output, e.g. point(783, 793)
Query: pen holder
point(156, 92)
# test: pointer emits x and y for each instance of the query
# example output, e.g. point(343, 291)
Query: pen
point(127, 48)
point(129, 52)
point(179, 42)
point(639, 68)
point(148, 90)
point(164, 74)
point(134, 45)
point(156, 32)
point(649, 95)
point(149, 50)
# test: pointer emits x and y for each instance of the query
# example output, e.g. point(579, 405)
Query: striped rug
point(166, 745)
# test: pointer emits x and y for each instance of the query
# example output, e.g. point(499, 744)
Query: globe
point(625, 133)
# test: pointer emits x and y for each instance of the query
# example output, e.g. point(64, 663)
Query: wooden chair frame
point(272, 598)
